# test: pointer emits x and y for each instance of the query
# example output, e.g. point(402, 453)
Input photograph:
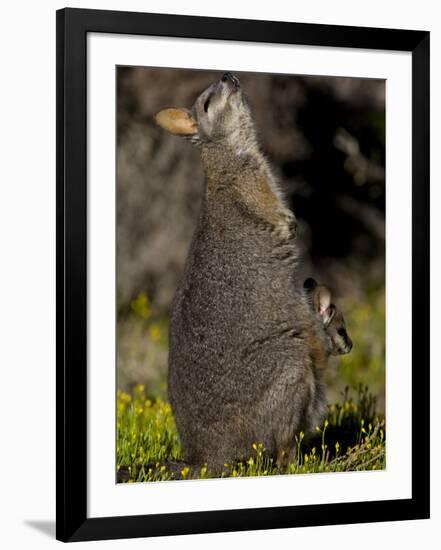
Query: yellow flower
point(124, 397)
point(155, 332)
point(141, 305)
point(184, 471)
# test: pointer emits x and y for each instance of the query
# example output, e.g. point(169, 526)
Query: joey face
point(219, 115)
point(339, 342)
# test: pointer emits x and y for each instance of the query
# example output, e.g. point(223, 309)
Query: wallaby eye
point(206, 104)
point(341, 332)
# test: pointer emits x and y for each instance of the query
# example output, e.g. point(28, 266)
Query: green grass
point(352, 438)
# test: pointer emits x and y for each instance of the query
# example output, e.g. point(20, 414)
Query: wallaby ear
point(322, 303)
point(179, 122)
point(309, 284)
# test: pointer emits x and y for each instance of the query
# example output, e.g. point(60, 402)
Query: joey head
point(337, 339)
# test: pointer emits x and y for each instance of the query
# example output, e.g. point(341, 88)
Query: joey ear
point(322, 298)
point(179, 122)
point(322, 303)
point(309, 284)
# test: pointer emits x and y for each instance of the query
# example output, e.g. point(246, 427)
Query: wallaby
point(334, 339)
point(241, 369)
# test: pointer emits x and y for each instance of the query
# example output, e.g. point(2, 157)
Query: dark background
point(325, 139)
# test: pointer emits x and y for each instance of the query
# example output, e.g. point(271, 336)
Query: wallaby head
point(332, 319)
point(219, 116)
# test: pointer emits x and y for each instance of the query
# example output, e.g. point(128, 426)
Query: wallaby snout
point(230, 78)
point(348, 345)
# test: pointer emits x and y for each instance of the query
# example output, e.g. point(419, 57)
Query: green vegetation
point(352, 438)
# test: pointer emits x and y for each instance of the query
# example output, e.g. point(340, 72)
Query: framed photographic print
point(242, 274)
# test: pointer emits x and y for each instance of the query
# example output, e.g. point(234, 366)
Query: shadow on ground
point(47, 527)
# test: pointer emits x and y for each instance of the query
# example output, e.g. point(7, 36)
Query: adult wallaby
point(241, 368)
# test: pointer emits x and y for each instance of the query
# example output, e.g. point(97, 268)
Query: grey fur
point(245, 357)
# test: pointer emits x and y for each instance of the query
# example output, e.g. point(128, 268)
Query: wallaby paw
point(292, 226)
point(286, 228)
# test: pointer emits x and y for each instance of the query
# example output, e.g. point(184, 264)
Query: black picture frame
point(71, 426)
